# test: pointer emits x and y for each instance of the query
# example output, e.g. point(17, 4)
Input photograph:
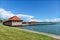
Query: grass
point(7, 33)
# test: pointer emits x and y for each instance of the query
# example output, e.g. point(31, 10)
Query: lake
point(52, 29)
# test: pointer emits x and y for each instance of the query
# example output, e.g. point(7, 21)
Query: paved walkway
point(51, 35)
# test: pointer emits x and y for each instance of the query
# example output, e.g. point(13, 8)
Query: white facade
point(16, 23)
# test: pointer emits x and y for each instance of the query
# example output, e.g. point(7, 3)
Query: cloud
point(35, 20)
point(47, 20)
point(55, 20)
point(7, 14)
point(24, 16)
point(4, 14)
point(50, 20)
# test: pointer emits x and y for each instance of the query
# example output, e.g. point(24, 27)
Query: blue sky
point(40, 9)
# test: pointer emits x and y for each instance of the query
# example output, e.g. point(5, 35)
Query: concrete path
point(51, 35)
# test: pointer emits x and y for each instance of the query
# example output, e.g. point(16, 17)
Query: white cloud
point(47, 20)
point(55, 20)
point(27, 17)
point(7, 14)
point(35, 20)
point(50, 20)
point(23, 15)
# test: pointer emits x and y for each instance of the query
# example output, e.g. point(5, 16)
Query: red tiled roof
point(14, 18)
point(33, 21)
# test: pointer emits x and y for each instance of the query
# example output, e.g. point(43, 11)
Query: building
point(13, 21)
point(33, 22)
point(25, 23)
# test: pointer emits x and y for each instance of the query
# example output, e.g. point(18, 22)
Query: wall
point(16, 23)
point(7, 23)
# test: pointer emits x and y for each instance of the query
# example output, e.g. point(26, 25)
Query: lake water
point(52, 29)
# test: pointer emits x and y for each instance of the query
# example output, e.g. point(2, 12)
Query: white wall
point(16, 23)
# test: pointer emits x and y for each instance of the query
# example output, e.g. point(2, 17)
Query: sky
point(28, 10)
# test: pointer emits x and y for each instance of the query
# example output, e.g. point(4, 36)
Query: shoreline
point(51, 35)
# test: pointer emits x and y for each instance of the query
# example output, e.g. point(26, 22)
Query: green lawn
point(7, 33)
